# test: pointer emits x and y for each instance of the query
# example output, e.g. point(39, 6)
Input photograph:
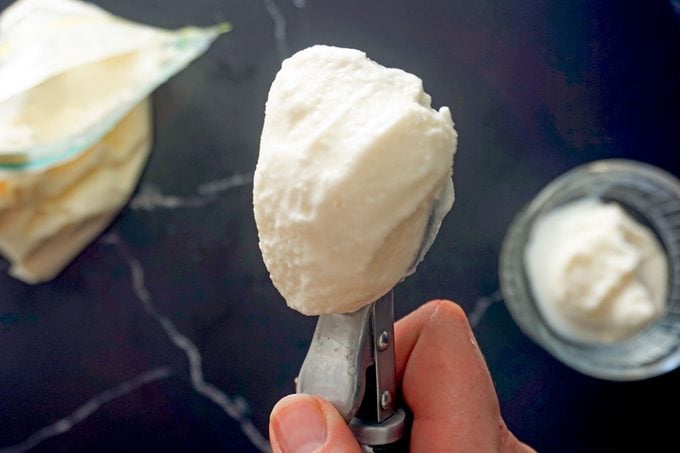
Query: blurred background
point(536, 87)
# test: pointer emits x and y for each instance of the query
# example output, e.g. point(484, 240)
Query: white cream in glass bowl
point(590, 270)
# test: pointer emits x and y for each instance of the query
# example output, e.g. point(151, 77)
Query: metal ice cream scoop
point(350, 363)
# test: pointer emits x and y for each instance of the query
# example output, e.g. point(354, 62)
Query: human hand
point(444, 381)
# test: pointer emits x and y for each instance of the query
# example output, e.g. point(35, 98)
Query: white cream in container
point(596, 273)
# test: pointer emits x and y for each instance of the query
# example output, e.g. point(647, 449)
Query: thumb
point(308, 424)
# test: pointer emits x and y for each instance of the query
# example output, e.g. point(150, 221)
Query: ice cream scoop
point(353, 180)
point(355, 168)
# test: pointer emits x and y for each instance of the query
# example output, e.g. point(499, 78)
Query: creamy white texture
point(82, 96)
point(597, 274)
point(352, 162)
point(48, 216)
point(69, 71)
point(75, 123)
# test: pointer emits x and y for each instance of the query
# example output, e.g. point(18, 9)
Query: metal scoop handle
point(350, 363)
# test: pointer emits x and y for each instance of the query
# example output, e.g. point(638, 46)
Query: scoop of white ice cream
point(596, 273)
point(352, 160)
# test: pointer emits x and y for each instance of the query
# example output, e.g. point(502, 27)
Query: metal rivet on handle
point(383, 340)
point(386, 400)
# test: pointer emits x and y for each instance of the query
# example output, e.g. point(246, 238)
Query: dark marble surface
point(166, 333)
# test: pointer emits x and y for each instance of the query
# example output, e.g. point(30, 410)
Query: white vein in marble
point(481, 306)
point(218, 186)
point(150, 197)
point(300, 3)
point(279, 27)
point(90, 407)
point(236, 408)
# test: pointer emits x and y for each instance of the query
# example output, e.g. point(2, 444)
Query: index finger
point(445, 382)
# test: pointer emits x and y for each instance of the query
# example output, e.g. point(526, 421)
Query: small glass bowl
point(652, 197)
